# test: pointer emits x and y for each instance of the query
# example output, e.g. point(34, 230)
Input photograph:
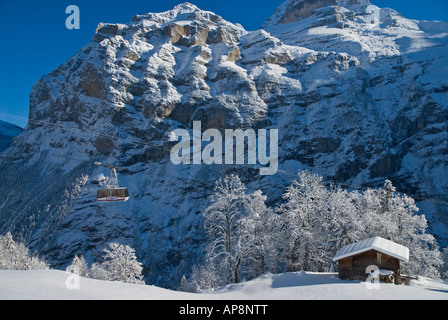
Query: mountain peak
point(295, 10)
point(186, 7)
point(186, 12)
point(185, 24)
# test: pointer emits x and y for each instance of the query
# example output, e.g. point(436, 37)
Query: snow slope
point(51, 285)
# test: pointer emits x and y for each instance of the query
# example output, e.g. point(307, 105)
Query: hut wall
point(354, 267)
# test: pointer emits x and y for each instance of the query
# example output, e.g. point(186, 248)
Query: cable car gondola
point(112, 192)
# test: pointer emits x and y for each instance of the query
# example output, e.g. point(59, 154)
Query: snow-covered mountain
point(7, 132)
point(358, 95)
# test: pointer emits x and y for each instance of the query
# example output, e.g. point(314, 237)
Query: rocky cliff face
point(354, 99)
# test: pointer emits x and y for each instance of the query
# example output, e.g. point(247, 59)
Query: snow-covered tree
point(386, 213)
point(37, 263)
point(79, 266)
point(205, 277)
point(97, 271)
point(222, 224)
point(184, 285)
point(317, 221)
point(339, 226)
point(246, 238)
point(444, 267)
point(370, 212)
point(16, 256)
point(256, 233)
point(302, 216)
point(389, 192)
point(410, 230)
point(239, 229)
point(121, 264)
point(13, 256)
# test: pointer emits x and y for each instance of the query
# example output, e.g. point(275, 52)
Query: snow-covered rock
point(356, 100)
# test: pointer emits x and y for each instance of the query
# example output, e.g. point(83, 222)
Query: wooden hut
point(354, 259)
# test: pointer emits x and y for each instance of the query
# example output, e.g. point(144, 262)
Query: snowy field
point(51, 285)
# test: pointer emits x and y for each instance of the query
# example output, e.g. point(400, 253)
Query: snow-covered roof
point(377, 243)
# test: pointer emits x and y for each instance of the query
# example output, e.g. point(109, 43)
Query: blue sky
point(35, 41)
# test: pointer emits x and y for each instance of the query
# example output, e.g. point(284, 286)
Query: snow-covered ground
point(52, 285)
